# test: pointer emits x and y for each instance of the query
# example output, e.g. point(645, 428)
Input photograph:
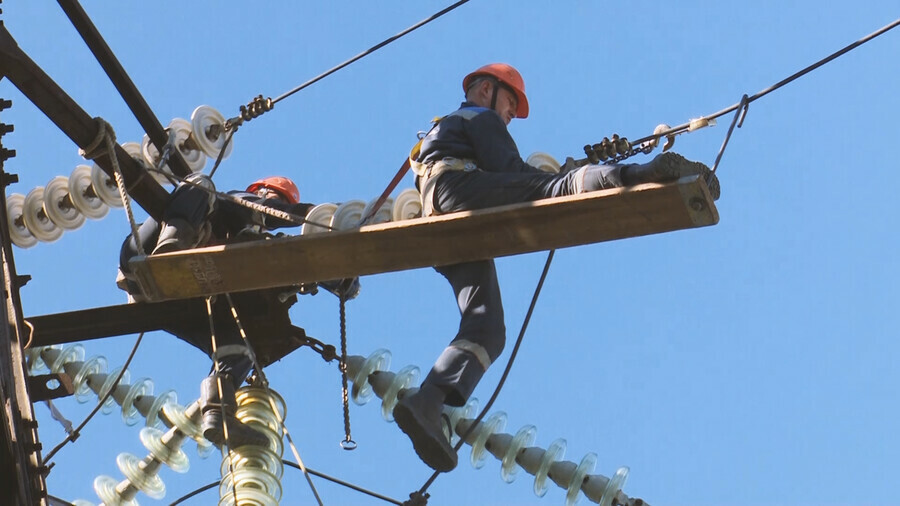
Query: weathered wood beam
point(522, 228)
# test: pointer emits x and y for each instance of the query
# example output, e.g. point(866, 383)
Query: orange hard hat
point(507, 75)
point(281, 185)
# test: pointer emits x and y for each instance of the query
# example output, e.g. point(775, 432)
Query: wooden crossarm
point(489, 233)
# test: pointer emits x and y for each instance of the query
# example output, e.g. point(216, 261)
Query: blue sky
point(750, 363)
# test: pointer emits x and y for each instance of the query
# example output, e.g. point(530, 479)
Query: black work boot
point(218, 415)
point(669, 167)
point(419, 417)
point(176, 235)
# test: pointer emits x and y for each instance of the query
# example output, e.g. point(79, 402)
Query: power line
point(682, 128)
point(369, 51)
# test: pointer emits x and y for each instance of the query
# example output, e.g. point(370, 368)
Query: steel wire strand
point(682, 128)
point(369, 51)
point(77, 432)
point(313, 472)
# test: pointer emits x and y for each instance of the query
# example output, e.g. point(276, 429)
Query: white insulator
point(105, 187)
point(150, 156)
point(208, 126)
point(59, 206)
point(105, 488)
point(507, 448)
point(537, 462)
point(184, 141)
point(83, 195)
point(359, 369)
point(479, 436)
point(151, 406)
point(388, 385)
point(103, 383)
point(543, 161)
point(19, 233)
point(168, 452)
point(125, 396)
point(384, 213)
point(256, 457)
point(348, 215)
point(186, 420)
point(252, 474)
point(136, 152)
point(606, 491)
point(34, 362)
point(36, 219)
point(142, 477)
point(57, 358)
point(407, 205)
point(318, 219)
point(455, 414)
point(570, 477)
point(80, 372)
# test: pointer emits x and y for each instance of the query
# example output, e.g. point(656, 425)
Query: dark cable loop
point(512, 358)
point(77, 432)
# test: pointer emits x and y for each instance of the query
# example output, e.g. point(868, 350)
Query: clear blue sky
point(750, 363)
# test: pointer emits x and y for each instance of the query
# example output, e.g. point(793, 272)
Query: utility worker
point(194, 217)
point(469, 161)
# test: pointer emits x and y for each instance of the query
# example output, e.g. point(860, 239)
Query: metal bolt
point(697, 204)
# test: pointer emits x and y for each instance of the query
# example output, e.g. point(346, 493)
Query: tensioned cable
point(509, 364)
point(369, 51)
point(77, 432)
point(318, 474)
point(682, 128)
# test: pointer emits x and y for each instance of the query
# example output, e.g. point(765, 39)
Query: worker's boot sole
point(669, 167)
point(428, 440)
point(239, 434)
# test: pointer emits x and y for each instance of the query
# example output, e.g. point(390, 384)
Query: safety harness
point(427, 173)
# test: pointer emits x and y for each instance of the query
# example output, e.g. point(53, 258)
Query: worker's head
point(276, 187)
point(500, 87)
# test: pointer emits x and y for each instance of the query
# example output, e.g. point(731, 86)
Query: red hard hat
point(282, 185)
point(507, 75)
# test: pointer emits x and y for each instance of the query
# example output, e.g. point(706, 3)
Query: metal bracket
point(50, 386)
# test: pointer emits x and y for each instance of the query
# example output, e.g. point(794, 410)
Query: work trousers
point(482, 332)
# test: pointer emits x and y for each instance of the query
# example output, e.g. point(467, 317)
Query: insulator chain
point(613, 150)
point(90, 378)
point(370, 377)
point(254, 109)
point(251, 474)
point(64, 203)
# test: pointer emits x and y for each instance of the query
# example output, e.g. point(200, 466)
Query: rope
point(348, 443)
point(77, 432)
point(509, 364)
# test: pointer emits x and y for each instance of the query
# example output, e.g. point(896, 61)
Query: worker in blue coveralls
point(469, 161)
point(194, 217)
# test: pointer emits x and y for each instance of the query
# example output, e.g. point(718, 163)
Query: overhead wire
point(369, 51)
point(313, 472)
point(744, 103)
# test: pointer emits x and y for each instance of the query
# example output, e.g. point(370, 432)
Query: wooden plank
point(521, 228)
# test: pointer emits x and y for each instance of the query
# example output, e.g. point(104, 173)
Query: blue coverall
point(259, 309)
point(478, 134)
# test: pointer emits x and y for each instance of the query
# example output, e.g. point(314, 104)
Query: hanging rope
point(348, 443)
